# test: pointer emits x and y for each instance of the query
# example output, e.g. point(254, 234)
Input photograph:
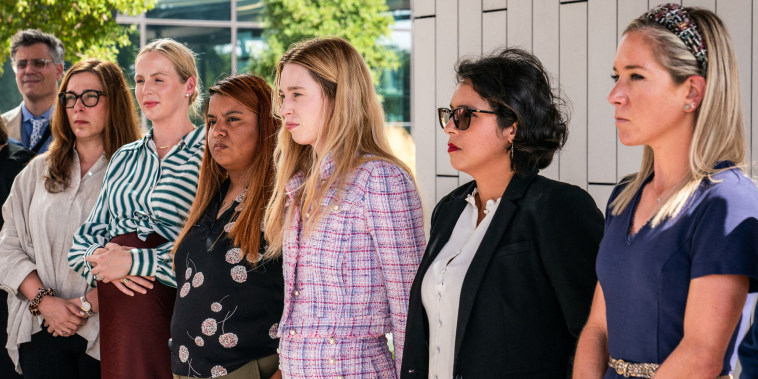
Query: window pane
point(9, 96)
point(249, 44)
point(212, 48)
point(249, 10)
point(192, 9)
point(127, 55)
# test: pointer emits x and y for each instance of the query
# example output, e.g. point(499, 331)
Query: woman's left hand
point(112, 263)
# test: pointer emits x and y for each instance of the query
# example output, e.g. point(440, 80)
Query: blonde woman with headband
point(680, 249)
point(345, 216)
point(124, 246)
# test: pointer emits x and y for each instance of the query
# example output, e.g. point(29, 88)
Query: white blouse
point(441, 288)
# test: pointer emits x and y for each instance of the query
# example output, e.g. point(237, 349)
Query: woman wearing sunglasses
point(507, 279)
point(53, 312)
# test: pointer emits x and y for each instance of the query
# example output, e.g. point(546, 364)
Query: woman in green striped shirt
point(149, 186)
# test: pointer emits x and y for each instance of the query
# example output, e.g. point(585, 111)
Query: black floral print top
point(226, 312)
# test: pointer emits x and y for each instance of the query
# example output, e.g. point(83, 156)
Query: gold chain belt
point(639, 370)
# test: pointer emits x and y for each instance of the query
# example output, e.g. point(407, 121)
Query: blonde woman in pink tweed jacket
point(345, 216)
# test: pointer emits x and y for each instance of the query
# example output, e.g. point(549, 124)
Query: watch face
point(86, 307)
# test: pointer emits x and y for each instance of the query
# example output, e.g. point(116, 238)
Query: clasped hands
point(62, 316)
point(112, 264)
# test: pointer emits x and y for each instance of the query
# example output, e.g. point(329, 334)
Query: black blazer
point(528, 290)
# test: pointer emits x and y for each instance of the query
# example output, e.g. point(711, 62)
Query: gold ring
point(126, 281)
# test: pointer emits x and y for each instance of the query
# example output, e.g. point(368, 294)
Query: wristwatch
point(86, 306)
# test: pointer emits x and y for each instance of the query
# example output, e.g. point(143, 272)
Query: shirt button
point(438, 349)
point(332, 340)
point(340, 377)
point(292, 332)
point(332, 360)
point(277, 350)
point(336, 207)
point(296, 293)
point(439, 322)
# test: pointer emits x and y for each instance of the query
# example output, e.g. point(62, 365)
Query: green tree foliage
point(87, 28)
point(362, 22)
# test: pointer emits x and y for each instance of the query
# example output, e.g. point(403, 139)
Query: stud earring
point(687, 107)
point(186, 95)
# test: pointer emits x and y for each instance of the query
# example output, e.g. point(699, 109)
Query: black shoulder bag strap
point(42, 140)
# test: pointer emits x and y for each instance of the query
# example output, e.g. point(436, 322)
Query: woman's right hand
point(62, 317)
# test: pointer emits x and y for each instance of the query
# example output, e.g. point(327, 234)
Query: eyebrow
point(225, 114)
point(631, 67)
point(153, 74)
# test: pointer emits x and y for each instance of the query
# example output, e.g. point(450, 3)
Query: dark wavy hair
point(253, 93)
point(517, 87)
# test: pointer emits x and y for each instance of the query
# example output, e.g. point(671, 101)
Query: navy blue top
point(646, 277)
point(748, 353)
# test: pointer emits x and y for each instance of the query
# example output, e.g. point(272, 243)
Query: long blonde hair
point(353, 132)
point(719, 130)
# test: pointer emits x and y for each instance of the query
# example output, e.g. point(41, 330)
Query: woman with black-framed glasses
point(507, 279)
point(52, 311)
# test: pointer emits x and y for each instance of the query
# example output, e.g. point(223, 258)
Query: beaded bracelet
point(34, 305)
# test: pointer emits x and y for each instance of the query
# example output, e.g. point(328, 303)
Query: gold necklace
point(167, 146)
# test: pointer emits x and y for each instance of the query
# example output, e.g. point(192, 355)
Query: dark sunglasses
point(461, 116)
point(90, 98)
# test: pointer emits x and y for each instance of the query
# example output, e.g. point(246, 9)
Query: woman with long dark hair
point(230, 298)
point(53, 311)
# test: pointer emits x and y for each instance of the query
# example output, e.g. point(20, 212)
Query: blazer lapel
point(500, 222)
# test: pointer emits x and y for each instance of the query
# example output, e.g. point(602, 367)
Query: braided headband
point(675, 19)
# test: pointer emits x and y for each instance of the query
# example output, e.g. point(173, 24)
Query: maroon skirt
point(134, 330)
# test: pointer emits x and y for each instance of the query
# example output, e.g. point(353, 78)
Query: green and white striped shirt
point(143, 194)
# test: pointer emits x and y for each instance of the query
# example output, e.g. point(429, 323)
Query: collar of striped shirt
point(195, 137)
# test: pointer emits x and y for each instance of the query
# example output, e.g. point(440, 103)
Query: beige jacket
point(38, 232)
point(12, 120)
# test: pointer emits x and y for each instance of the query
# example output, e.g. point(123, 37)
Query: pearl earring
point(687, 107)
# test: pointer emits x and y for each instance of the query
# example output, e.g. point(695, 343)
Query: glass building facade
point(225, 34)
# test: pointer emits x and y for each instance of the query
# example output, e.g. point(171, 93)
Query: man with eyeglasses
point(37, 60)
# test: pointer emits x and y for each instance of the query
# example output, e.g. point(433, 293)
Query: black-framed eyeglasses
point(38, 63)
point(90, 98)
point(461, 116)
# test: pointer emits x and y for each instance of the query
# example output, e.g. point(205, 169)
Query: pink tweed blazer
point(347, 284)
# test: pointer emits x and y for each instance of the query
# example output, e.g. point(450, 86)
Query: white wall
point(576, 41)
